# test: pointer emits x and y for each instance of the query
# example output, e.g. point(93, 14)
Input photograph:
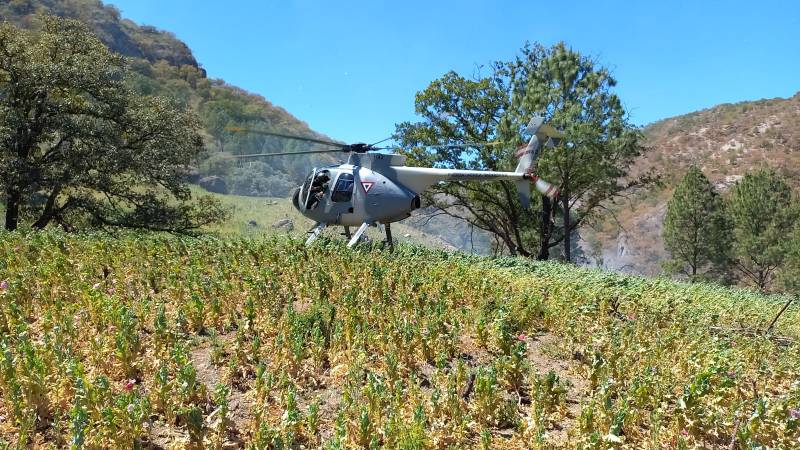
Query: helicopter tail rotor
point(544, 187)
point(528, 153)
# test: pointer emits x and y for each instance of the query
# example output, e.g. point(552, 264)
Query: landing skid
point(389, 240)
point(355, 237)
point(358, 234)
point(315, 232)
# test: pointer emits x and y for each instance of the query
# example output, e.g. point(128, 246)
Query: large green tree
point(696, 229)
point(764, 214)
point(79, 148)
point(590, 166)
point(456, 110)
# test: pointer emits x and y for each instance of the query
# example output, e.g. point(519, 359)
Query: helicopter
point(378, 189)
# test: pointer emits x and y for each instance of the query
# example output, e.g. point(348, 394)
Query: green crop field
point(156, 341)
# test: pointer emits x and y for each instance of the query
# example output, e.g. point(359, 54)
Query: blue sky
point(350, 69)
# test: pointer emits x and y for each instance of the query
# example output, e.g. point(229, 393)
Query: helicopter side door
point(343, 189)
point(341, 197)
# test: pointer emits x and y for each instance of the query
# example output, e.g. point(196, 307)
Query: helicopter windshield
point(307, 182)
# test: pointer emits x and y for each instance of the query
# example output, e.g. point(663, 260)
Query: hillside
point(114, 341)
point(163, 65)
point(725, 142)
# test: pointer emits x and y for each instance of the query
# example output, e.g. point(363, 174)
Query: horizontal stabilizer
point(537, 127)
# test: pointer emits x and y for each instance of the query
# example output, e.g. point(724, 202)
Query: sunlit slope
point(725, 142)
point(209, 342)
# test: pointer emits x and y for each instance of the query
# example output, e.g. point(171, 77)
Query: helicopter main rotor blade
point(287, 136)
point(465, 144)
point(468, 144)
point(381, 141)
point(303, 152)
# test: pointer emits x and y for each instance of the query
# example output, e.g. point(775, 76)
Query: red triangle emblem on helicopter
point(367, 185)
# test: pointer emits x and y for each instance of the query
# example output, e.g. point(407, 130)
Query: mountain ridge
point(121, 35)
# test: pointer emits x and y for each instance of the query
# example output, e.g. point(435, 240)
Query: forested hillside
point(725, 142)
point(164, 65)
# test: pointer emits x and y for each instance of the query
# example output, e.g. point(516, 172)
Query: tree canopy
point(573, 94)
point(80, 148)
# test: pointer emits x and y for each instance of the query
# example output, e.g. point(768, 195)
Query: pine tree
point(788, 277)
point(764, 215)
point(696, 230)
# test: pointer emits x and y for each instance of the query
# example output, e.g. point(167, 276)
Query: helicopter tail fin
point(541, 134)
point(526, 157)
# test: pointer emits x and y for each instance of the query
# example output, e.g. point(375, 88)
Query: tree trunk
point(13, 200)
point(49, 210)
point(510, 244)
point(546, 229)
point(567, 231)
point(762, 281)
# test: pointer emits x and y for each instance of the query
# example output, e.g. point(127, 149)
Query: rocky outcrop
point(214, 184)
point(284, 224)
point(120, 35)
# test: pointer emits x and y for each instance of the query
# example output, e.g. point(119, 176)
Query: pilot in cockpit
point(318, 188)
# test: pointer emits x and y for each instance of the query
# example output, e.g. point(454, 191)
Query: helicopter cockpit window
point(318, 189)
point(343, 191)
